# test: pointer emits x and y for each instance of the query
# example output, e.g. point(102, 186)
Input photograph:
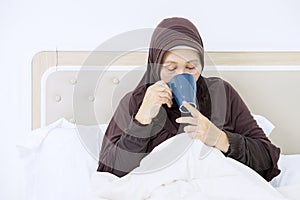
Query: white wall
point(27, 27)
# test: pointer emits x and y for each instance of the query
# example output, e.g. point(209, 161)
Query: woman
point(148, 115)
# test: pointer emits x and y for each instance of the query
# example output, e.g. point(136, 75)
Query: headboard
point(85, 87)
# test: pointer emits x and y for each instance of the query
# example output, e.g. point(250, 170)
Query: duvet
point(193, 172)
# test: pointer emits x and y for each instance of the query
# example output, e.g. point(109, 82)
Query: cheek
point(166, 77)
point(196, 76)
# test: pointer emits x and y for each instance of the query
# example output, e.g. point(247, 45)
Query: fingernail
point(177, 120)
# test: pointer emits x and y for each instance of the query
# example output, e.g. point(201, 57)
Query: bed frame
point(85, 87)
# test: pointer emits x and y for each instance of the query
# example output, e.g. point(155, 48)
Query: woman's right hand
point(156, 95)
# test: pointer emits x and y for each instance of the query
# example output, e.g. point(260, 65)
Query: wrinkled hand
point(155, 96)
point(203, 129)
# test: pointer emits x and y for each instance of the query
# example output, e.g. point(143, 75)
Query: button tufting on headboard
point(91, 98)
point(73, 81)
point(57, 98)
point(116, 81)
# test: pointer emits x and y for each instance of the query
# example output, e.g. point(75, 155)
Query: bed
point(74, 95)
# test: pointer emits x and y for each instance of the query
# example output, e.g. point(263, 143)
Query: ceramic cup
point(184, 88)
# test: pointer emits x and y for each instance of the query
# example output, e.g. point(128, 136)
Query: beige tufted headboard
point(85, 87)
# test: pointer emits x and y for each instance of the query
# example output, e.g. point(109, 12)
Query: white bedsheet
point(291, 192)
point(212, 177)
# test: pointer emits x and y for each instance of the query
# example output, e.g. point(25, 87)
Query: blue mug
point(184, 88)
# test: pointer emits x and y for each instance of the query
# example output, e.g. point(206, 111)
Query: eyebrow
point(195, 60)
point(171, 61)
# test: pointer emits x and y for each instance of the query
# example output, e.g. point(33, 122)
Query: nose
point(181, 72)
point(180, 68)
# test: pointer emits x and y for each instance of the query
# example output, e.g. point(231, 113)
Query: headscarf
point(169, 33)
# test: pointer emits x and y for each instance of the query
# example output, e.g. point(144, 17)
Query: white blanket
point(190, 175)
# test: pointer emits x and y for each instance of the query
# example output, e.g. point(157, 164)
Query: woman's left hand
point(203, 129)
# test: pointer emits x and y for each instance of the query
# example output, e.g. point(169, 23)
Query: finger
point(169, 104)
point(165, 94)
point(157, 88)
point(190, 128)
point(166, 89)
point(194, 112)
point(164, 84)
point(191, 134)
point(196, 135)
point(187, 120)
point(160, 82)
point(164, 100)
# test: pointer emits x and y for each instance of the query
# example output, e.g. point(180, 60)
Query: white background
point(27, 27)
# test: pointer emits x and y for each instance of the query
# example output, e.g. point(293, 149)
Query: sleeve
point(248, 143)
point(125, 142)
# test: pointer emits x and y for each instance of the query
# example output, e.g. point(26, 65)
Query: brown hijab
point(169, 33)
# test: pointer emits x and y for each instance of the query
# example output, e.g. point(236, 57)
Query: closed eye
point(170, 66)
point(193, 64)
point(172, 69)
point(190, 66)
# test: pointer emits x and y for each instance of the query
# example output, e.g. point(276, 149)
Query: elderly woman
point(148, 116)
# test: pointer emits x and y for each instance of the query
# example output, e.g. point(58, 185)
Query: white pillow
point(91, 136)
point(264, 123)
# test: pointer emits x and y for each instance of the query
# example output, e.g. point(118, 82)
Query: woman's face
point(179, 61)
